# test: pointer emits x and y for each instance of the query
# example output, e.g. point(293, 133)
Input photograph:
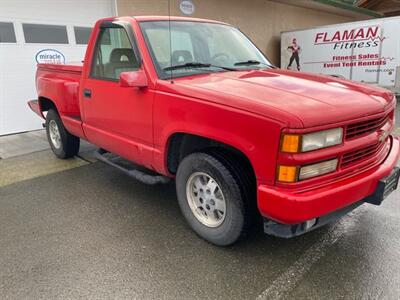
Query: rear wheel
point(63, 144)
point(211, 199)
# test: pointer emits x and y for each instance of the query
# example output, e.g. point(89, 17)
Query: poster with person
point(366, 51)
point(294, 49)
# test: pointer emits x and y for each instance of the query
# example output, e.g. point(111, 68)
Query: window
point(82, 35)
point(113, 54)
point(45, 34)
point(7, 33)
point(182, 48)
point(217, 45)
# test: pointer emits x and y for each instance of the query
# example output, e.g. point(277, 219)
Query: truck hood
point(301, 99)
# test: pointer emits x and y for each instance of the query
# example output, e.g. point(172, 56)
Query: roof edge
point(350, 7)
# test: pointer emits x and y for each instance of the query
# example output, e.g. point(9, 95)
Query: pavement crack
point(84, 159)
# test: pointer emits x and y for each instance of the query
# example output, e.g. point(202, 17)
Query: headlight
point(318, 169)
point(322, 139)
point(294, 143)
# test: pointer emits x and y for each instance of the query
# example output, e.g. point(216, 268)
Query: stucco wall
point(261, 20)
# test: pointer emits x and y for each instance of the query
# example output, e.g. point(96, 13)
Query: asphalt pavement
point(88, 231)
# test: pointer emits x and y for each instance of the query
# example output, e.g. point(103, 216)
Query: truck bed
point(61, 84)
point(72, 67)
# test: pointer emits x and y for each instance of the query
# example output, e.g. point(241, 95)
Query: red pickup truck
point(196, 101)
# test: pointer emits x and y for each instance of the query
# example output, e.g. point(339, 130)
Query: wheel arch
point(46, 104)
point(181, 144)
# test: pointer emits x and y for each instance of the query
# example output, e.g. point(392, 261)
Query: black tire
point(69, 144)
point(236, 221)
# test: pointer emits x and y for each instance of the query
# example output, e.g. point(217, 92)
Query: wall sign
point(187, 7)
point(50, 56)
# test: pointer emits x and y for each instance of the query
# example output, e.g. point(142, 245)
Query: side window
point(7, 33)
point(113, 54)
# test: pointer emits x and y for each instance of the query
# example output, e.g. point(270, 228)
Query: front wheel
point(62, 143)
point(210, 198)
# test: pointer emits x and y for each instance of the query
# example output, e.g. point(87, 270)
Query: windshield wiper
point(196, 65)
point(252, 62)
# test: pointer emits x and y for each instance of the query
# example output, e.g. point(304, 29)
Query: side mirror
point(136, 79)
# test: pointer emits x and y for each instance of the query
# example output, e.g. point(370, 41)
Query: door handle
point(87, 93)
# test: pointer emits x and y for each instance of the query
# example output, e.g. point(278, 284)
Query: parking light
point(290, 143)
point(287, 174)
point(318, 169)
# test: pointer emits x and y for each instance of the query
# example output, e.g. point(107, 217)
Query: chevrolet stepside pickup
point(196, 101)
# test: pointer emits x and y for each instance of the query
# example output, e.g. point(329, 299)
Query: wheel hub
point(54, 132)
point(206, 199)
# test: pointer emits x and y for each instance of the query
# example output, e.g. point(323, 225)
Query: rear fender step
point(142, 176)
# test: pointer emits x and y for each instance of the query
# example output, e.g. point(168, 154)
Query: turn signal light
point(287, 174)
point(290, 143)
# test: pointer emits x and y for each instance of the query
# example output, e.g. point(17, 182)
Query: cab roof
point(167, 18)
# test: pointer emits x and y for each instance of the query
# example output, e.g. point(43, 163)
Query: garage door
point(41, 30)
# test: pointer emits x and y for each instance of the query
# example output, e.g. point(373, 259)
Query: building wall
point(261, 20)
point(18, 58)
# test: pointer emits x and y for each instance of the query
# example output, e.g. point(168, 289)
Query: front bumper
point(290, 207)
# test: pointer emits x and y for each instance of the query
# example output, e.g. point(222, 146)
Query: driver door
point(116, 118)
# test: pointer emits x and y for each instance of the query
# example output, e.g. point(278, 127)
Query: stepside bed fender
point(61, 94)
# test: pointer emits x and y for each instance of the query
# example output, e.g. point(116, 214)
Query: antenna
point(170, 37)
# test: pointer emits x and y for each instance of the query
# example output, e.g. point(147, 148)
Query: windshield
point(199, 48)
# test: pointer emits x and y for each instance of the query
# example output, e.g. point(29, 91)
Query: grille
point(357, 156)
point(365, 127)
